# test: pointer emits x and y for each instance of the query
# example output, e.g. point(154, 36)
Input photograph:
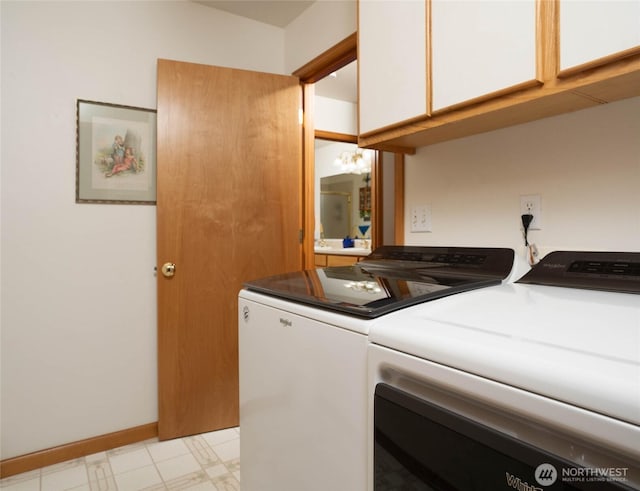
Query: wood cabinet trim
point(600, 85)
point(547, 40)
point(600, 62)
point(337, 137)
point(487, 97)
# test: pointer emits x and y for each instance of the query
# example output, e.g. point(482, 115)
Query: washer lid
point(391, 278)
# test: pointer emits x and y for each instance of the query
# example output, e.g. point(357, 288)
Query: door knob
point(168, 270)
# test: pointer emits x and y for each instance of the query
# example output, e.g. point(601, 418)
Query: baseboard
point(74, 450)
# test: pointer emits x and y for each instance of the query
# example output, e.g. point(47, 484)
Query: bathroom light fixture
point(356, 162)
point(364, 286)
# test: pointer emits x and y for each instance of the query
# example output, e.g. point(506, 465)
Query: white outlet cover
point(532, 203)
point(421, 218)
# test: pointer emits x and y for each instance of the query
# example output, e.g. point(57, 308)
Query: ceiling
point(275, 12)
point(281, 13)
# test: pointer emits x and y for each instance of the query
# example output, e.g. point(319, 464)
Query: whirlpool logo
point(545, 475)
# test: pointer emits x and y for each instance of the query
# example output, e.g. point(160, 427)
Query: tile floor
point(210, 461)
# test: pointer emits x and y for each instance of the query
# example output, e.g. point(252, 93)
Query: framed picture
point(115, 154)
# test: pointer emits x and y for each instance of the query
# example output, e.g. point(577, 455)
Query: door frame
point(336, 57)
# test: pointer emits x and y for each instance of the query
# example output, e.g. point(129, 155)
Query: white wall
point(585, 166)
point(323, 25)
point(336, 116)
point(78, 339)
point(78, 293)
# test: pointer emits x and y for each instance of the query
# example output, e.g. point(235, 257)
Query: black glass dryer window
point(421, 446)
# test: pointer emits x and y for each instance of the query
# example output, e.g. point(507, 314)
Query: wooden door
point(228, 210)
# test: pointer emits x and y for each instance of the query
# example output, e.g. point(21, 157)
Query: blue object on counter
point(347, 242)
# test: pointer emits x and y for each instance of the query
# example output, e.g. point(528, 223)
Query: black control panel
point(485, 261)
point(607, 271)
point(621, 268)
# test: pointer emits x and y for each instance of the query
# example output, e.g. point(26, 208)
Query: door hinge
point(301, 235)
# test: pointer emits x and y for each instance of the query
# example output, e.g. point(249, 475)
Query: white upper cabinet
point(480, 47)
point(435, 70)
point(595, 29)
point(392, 60)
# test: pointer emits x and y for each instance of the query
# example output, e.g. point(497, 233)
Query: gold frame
point(115, 173)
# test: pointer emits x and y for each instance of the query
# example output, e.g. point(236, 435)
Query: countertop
point(349, 251)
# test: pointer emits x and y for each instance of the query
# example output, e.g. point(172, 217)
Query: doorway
point(343, 176)
point(317, 74)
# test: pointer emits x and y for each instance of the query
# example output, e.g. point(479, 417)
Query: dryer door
point(422, 446)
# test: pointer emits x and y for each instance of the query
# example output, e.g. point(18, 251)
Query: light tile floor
point(210, 461)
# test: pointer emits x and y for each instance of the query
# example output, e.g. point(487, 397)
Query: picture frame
point(115, 153)
point(365, 203)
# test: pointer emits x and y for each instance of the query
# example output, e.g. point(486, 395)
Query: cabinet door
point(595, 29)
point(320, 260)
point(481, 47)
point(392, 62)
point(342, 260)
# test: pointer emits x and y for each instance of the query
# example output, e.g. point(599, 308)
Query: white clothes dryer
point(533, 385)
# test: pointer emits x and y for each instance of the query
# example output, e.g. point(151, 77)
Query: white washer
point(303, 349)
point(303, 397)
point(550, 366)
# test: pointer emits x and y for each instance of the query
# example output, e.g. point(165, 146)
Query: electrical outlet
point(421, 218)
point(531, 204)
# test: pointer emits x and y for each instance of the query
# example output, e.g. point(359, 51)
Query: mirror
point(335, 209)
point(343, 190)
point(343, 199)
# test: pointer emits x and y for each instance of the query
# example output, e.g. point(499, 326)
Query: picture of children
point(128, 162)
point(122, 154)
point(117, 153)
